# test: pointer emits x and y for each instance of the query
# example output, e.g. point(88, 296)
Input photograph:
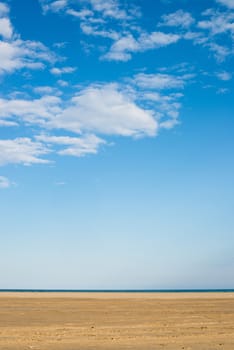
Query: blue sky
point(116, 144)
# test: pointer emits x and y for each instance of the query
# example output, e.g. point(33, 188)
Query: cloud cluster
point(104, 8)
point(121, 25)
point(81, 121)
point(136, 107)
point(108, 19)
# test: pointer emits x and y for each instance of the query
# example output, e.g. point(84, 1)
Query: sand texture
point(116, 321)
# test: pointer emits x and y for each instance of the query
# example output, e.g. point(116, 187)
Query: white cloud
point(62, 83)
point(160, 81)
point(77, 146)
point(37, 111)
point(106, 109)
point(179, 18)
point(105, 8)
point(109, 8)
point(162, 93)
point(122, 48)
point(95, 31)
point(44, 90)
point(21, 151)
point(82, 14)
point(228, 3)
point(103, 109)
point(6, 30)
point(138, 108)
point(19, 54)
point(5, 182)
point(217, 22)
point(4, 9)
point(222, 91)
point(58, 5)
point(225, 76)
point(220, 52)
point(54, 6)
point(60, 183)
point(6, 123)
point(62, 70)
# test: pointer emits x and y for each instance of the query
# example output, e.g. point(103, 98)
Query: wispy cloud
point(21, 151)
point(105, 8)
point(228, 3)
point(4, 9)
point(179, 18)
point(62, 70)
point(225, 76)
point(75, 146)
point(217, 22)
point(123, 48)
point(5, 182)
point(161, 81)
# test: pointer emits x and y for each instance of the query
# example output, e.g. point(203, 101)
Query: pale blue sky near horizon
point(116, 144)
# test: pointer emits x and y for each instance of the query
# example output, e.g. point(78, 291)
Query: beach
point(146, 321)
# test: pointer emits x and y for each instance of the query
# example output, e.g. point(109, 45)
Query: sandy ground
point(80, 321)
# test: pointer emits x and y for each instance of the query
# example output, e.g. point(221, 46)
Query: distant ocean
point(119, 290)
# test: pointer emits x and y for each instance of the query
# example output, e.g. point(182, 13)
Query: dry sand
point(81, 321)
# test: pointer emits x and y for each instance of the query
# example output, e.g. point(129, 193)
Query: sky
point(116, 144)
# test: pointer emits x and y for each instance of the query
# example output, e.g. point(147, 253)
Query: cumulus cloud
point(139, 107)
point(106, 109)
point(179, 18)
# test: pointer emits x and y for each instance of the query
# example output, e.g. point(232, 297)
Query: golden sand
point(80, 321)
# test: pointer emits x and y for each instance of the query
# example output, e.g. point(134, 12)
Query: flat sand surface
point(146, 321)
